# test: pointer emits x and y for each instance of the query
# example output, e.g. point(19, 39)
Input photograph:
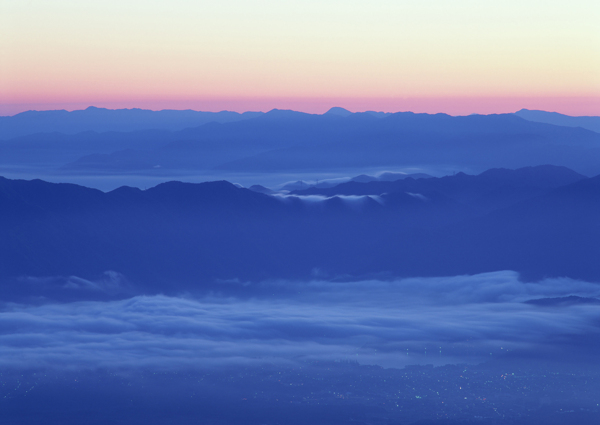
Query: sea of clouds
point(386, 322)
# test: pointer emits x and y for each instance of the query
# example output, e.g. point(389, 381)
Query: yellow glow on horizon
point(73, 51)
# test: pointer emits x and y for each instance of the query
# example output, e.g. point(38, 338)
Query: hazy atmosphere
point(260, 212)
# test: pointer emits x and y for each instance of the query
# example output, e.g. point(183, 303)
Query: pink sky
point(458, 57)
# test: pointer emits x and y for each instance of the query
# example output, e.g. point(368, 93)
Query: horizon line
point(290, 110)
point(450, 105)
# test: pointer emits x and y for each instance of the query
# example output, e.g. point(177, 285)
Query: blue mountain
point(103, 120)
point(288, 141)
point(589, 123)
point(193, 237)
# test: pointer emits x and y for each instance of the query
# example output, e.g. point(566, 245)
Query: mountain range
point(335, 143)
point(539, 221)
point(589, 122)
point(103, 120)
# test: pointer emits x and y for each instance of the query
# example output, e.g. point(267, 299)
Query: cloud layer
point(391, 323)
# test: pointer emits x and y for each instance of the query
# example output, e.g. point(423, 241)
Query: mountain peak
point(336, 110)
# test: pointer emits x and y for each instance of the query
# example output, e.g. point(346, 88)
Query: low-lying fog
point(462, 319)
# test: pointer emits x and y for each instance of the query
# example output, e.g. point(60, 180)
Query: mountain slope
point(589, 123)
point(288, 141)
point(103, 120)
point(181, 236)
point(489, 190)
point(439, 141)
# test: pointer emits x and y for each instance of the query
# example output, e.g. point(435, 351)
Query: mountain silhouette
point(183, 236)
point(103, 120)
point(476, 142)
point(293, 142)
point(489, 190)
point(589, 123)
point(336, 110)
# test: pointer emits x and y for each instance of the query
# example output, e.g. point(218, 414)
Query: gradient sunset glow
point(457, 57)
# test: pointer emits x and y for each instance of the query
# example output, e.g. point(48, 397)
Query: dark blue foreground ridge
point(539, 221)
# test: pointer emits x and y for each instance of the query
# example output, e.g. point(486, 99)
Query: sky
point(459, 57)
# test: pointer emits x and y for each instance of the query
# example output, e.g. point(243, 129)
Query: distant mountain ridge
point(287, 141)
point(590, 122)
point(489, 190)
point(103, 120)
point(182, 236)
point(299, 144)
point(136, 119)
point(363, 178)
